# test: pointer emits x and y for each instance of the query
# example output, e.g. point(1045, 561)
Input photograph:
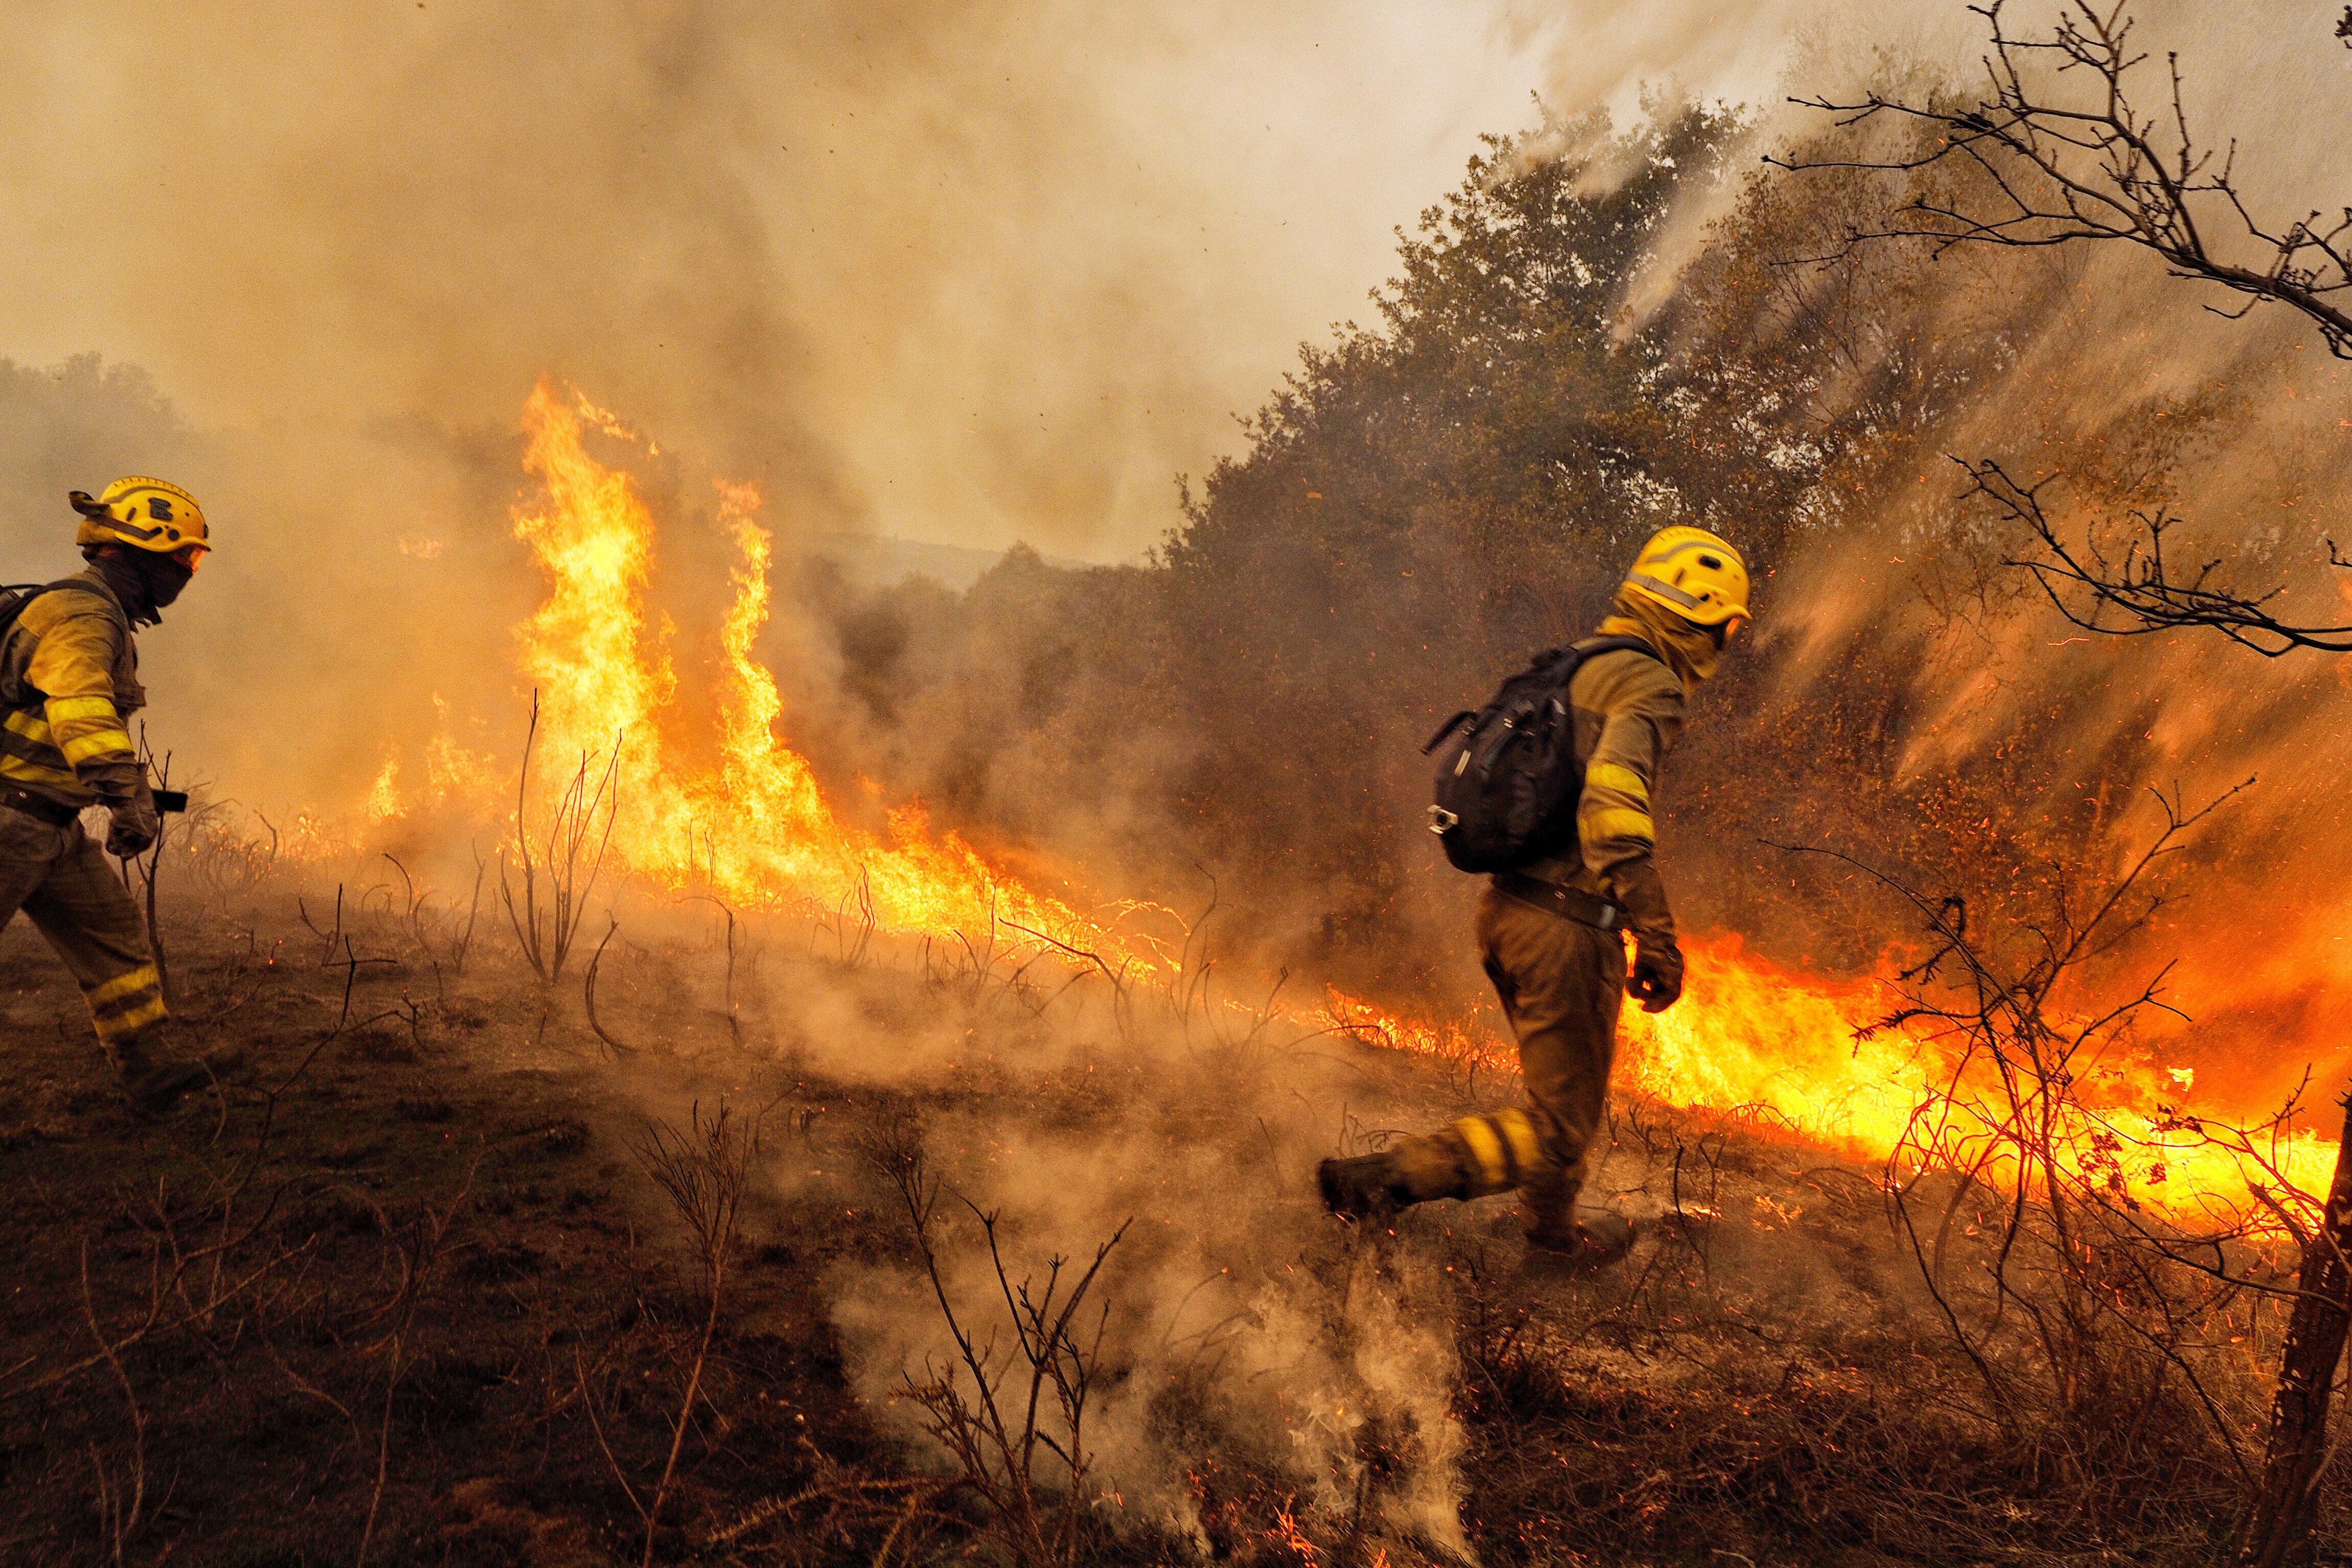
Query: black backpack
point(1508, 785)
point(14, 597)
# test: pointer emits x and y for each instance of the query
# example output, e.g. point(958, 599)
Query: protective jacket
point(69, 683)
point(1561, 976)
point(1628, 709)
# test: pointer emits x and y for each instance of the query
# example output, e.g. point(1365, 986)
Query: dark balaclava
point(1691, 651)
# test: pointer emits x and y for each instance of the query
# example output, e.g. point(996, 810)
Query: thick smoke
point(821, 245)
point(955, 273)
point(824, 251)
point(968, 274)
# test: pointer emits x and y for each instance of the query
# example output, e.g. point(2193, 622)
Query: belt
point(1585, 909)
point(39, 806)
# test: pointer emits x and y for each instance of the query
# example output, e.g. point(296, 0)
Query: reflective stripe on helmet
point(1665, 590)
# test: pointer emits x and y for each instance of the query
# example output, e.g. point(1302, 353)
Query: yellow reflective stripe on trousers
point(1526, 1149)
point(122, 1026)
point(142, 978)
point(1494, 1172)
point(1607, 775)
point(1616, 822)
point(61, 709)
point(96, 746)
point(29, 723)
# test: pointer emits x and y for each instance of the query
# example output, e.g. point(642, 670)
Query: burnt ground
point(400, 1291)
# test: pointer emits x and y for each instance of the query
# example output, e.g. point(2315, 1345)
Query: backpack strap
point(1591, 645)
point(1448, 728)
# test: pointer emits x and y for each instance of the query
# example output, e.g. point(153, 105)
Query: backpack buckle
point(1442, 821)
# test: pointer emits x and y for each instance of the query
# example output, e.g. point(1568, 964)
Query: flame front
point(754, 830)
point(1797, 1052)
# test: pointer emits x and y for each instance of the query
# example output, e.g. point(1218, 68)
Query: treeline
point(1435, 495)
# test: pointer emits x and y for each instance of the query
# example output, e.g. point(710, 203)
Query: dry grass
point(430, 1282)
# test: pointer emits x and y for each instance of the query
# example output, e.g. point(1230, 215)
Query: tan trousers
point(66, 888)
point(1562, 982)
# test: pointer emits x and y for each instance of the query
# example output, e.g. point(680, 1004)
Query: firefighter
point(68, 684)
point(1551, 932)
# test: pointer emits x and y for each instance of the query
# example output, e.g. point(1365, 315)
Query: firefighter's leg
point(1463, 1161)
point(83, 910)
point(28, 847)
point(1561, 984)
point(1475, 1156)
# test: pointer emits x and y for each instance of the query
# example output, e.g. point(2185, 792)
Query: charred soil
point(404, 1288)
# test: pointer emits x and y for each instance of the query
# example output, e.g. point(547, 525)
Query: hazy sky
point(959, 272)
point(962, 272)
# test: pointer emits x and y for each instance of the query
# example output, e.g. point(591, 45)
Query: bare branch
point(2141, 591)
point(2042, 166)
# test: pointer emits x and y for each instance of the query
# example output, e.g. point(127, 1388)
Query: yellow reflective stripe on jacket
point(1612, 775)
point(143, 978)
point(16, 770)
point(1617, 824)
point(97, 744)
point(1628, 711)
point(61, 709)
point(30, 754)
point(67, 667)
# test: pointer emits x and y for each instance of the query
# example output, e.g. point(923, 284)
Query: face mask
point(165, 578)
point(1691, 651)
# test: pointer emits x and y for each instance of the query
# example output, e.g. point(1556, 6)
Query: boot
point(155, 1087)
point(1594, 1241)
point(1363, 1189)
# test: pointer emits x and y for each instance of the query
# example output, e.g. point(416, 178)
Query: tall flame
point(756, 830)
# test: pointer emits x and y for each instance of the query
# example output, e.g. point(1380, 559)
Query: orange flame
point(755, 831)
point(1794, 1050)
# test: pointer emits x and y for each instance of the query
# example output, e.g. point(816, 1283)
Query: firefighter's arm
point(1617, 831)
point(73, 668)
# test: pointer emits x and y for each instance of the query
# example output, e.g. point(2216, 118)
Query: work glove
point(1657, 977)
point(134, 825)
point(134, 822)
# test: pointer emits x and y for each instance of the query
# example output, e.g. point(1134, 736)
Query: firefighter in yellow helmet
point(68, 686)
point(1550, 931)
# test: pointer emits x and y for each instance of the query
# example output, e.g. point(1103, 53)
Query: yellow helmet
point(1695, 574)
point(146, 514)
